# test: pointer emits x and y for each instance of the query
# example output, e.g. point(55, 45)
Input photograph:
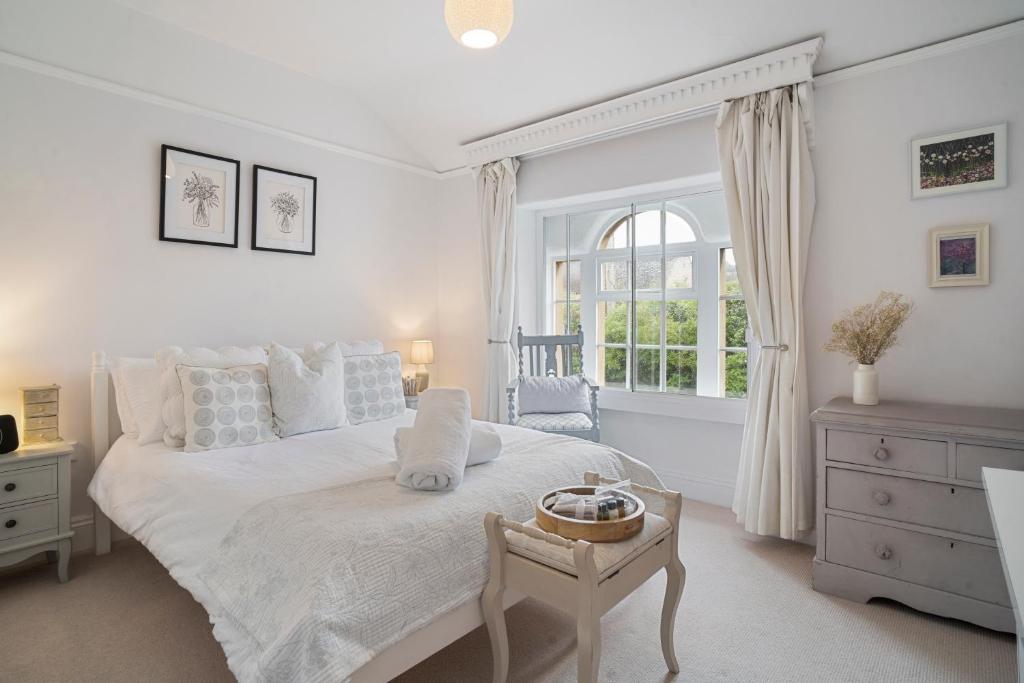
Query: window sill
point(708, 408)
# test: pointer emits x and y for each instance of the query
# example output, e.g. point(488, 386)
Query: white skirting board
point(698, 487)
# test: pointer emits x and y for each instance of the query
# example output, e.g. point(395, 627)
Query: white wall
point(84, 270)
point(961, 345)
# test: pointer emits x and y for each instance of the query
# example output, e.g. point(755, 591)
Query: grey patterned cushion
point(373, 387)
point(225, 407)
point(555, 422)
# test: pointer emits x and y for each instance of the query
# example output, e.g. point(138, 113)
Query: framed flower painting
point(198, 198)
point(283, 211)
point(959, 162)
point(959, 256)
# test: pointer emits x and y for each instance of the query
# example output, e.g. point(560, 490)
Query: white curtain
point(496, 194)
point(769, 190)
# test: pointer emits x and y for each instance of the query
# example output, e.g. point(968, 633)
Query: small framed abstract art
point(198, 198)
point(283, 211)
point(959, 256)
point(964, 161)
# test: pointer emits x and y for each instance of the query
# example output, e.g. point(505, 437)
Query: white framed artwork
point(963, 161)
point(283, 211)
point(958, 256)
point(198, 198)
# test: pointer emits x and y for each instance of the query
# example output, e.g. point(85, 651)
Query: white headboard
point(106, 428)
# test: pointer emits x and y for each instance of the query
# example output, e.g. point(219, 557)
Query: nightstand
point(412, 402)
point(35, 504)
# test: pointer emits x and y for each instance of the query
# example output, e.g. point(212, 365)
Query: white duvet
point(308, 557)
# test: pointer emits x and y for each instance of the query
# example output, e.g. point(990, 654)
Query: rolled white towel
point(439, 447)
point(484, 444)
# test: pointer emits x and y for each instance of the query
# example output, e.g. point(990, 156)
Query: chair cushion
point(608, 557)
point(555, 422)
point(553, 395)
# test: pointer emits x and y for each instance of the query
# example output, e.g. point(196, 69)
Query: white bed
point(192, 511)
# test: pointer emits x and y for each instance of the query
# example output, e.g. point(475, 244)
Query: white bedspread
point(307, 555)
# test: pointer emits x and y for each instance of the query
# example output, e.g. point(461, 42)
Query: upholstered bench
point(584, 579)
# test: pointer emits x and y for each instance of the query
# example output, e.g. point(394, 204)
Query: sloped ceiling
point(397, 56)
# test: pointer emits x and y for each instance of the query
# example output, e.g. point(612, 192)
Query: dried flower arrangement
point(869, 330)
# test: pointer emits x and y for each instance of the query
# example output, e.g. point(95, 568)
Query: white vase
point(865, 385)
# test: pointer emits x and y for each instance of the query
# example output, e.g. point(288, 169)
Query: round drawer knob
point(884, 552)
point(11, 523)
point(10, 486)
point(881, 497)
point(881, 453)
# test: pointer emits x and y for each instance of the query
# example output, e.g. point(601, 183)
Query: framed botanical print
point(959, 162)
point(283, 211)
point(959, 256)
point(198, 198)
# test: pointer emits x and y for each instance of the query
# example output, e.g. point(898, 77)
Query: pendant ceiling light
point(478, 23)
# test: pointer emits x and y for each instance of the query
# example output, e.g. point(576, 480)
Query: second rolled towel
point(439, 447)
point(484, 444)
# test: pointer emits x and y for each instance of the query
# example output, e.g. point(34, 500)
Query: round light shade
point(422, 352)
point(478, 23)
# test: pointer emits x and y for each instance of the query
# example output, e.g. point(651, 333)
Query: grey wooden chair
point(553, 356)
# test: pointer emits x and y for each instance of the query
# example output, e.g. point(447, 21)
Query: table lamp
point(422, 354)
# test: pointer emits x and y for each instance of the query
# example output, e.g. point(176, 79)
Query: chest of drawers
point(901, 509)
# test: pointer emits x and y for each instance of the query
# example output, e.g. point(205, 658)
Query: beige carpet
point(748, 614)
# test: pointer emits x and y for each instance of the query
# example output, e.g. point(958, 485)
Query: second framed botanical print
point(283, 211)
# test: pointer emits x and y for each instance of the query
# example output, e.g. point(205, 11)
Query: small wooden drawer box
point(40, 419)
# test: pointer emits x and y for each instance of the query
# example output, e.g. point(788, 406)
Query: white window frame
point(707, 404)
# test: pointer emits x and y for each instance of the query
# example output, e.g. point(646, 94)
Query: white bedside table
point(35, 504)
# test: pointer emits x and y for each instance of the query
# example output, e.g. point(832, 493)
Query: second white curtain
point(769, 191)
point(496, 199)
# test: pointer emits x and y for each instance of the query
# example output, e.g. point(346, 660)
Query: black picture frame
point(165, 151)
point(254, 244)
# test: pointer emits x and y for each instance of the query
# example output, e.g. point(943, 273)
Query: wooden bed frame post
point(100, 384)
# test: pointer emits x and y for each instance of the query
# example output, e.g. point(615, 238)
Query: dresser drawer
point(28, 519)
point(970, 459)
point(40, 409)
point(33, 482)
point(952, 508)
point(894, 452)
point(957, 567)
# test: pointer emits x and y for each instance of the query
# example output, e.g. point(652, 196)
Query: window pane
point(562, 326)
point(735, 374)
point(614, 276)
point(648, 228)
point(574, 279)
point(729, 282)
point(560, 280)
point(648, 369)
point(734, 325)
point(648, 322)
point(613, 322)
point(681, 323)
point(680, 272)
point(681, 373)
point(612, 365)
point(677, 229)
point(648, 272)
point(617, 236)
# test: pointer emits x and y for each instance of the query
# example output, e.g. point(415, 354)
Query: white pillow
point(306, 392)
point(225, 407)
point(172, 403)
point(554, 395)
point(137, 391)
point(350, 348)
point(373, 387)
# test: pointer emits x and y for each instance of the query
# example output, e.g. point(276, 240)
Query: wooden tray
point(610, 531)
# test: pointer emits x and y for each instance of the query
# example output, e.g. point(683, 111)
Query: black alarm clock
point(8, 434)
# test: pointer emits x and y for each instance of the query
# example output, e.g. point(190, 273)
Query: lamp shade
point(479, 23)
point(422, 352)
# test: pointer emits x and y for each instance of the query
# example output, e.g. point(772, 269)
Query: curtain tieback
point(780, 347)
point(497, 341)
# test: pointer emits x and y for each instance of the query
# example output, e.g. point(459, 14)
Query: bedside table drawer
point(33, 482)
point(28, 519)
